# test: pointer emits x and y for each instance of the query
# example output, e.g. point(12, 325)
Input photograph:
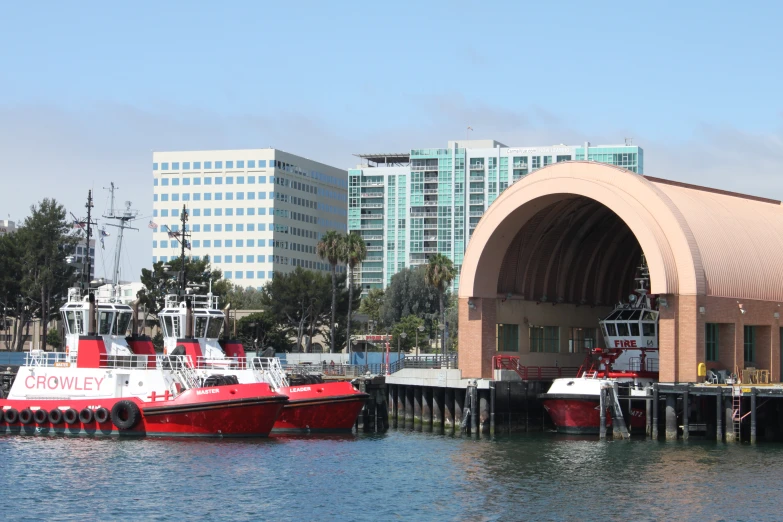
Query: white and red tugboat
point(102, 386)
point(631, 332)
point(311, 407)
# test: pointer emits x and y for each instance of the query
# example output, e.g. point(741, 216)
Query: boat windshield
point(648, 329)
point(167, 328)
point(622, 329)
point(123, 321)
point(215, 326)
point(74, 321)
point(201, 326)
point(105, 323)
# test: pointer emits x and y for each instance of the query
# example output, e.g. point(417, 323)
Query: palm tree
point(439, 274)
point(329, 249)
point(354, 251)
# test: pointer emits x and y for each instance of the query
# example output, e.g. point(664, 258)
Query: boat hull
point(320, 408)
point(581, 414)
point(221, 411)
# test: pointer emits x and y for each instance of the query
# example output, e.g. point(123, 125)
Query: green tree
point(354, 251)
point(439, 274)
point(53, 338)
point(372, 303)
point(46, 240)
point(244, 298)
point(11, 272)
point(409, 294)
point(409, 324)
point(260, 331)
point(162, 280)
point(329, 248)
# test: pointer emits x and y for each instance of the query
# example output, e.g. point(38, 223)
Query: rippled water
point(394, 476)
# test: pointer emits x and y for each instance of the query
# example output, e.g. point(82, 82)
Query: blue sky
point(88, 92)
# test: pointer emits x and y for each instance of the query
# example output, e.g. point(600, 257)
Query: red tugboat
point(311, 407)
point(632, 332)
point(101, 386)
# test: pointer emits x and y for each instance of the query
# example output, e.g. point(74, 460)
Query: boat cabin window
point(168, 329)
point(201, 326)
point(105, 323)
point(622, 329)
point(634, 329)
point(648, 329)
point(611, 329)
point(649, 316)
point(215, 326)
point(123, 321)
point(614, 315)
point(74, 321)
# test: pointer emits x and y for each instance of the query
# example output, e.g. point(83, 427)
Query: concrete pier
point(483, 416)
point(729, 409)
point(417, 408)
point(671, 418)
point(459, 404)
point(448, 410)
point(426, 409)
point(686, 413)
point(719, 416)
point(655, 407)
point(408, 408)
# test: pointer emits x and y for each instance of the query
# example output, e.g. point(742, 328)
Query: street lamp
point(419, 329)
point(402, 335)
point(442, 328)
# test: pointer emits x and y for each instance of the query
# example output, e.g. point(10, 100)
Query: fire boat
point(630, 362)
point(102, 385)
point(311, 407)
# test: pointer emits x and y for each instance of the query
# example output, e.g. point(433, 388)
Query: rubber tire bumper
point(26, 416)
point(56, 416)
point(125, 415)
point(86, 416)
point(11, 416)
point(70, 416)
point(101, 415)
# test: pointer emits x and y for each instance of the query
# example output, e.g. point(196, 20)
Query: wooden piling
point(437, 409)
point(393, 404)
point(729, 415)
point(648, 418)
point(671, 417)
point(686, 413)
point(492, 393)
point(417, 390)
point(483, 412)
point(474, 410)
point(753, 393)
point(719, 415)
point(449, 410)
point(459, 405)
point(408, 408)
point(655, 406)
point(426, 409)
point(602, 414)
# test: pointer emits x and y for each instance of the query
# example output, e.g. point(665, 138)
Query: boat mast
point(86, 273)
point(124, 219)
point(183, 237)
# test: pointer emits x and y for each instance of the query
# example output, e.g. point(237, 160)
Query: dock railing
point(532, 373)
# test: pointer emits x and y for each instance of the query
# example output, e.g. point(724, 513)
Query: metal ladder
point(271, 370)
point(736, 417)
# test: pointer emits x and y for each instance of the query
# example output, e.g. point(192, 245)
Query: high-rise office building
point(410, 206)
point(254, 212)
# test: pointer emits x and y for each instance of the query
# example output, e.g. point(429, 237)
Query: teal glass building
point(410, 206)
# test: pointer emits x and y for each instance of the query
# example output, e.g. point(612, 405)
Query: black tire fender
point(40, 416)
point(11, 416)
point(125, 414)
point(26, 416)
point(86, 416)
point(56, 416)
point(101, 415)
point(70, 416)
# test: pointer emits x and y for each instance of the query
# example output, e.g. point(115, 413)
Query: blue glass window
point(240, 212)
point(251, 243)
point(262, 227)
point(251, 195)
point(196, 164)
point(207, 212)
point(262, 195)
point(218, 196)
point(261, 259)
point(229, 164)
point(251, 164)
point(227, 275)
point(229, 196)
point(240, 180)
point(154, 259)
point(241, 164)
point(229, 211)
point(251, 227)
point(164, 182)
point(207, 242)
point(207, 164)
point(186, 165)
point(261, 274)
point(271, 274)
point(218, 181)
point(155, 213)
point(218, 243)
point(164, 197)
point(163, 259)
point(164, 244)
point(174, 212)
point(164, 166)
point(229, 180)
point(207, 228)
point(197, 196)
point(262, 179)
point(240, 226)
point(196, 243)
point(185, 197)
point(154, 166)
point(175, 182)
point(229, 228)
point(271, 195)
point(251, 179)
point(261, 211)
point(218, 164)
point(174, 228)
point(155, 182)
point(195, 228)
point(175, 197)
point(218, 259)
point(262, 164)
point(249, 274)
point(240, 195)
point(251, 212)
point(207, 196)
point(197, 181)
point(240, 244)
point(208, 180)
point(262, 242)
point(154, 197)
point(196, 212)
point(218, 228)
point(154, 244)
point(175, 165)
point(227, 259)
point(186, 181)
point(237, 275)
point(229, 242)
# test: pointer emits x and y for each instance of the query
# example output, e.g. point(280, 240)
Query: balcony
point(373, 226)
point(430, 238)
point(476, 166)
point(424, 168)
point(473, 225)
point(416, 262)
point(372, 184)
point(477, 202)
point(372, 279)
point(430, 250)
point(477, 190)
point(372, 270)
point(520, 165)
point(372, 238)
point(371, 216)
point(375, 249)
point(430, 226)
point(372, 194)
point(476, 213)
point(477, 179)
point(430, 191)
point(430, 203)
point(371, 205)
point(424, 214)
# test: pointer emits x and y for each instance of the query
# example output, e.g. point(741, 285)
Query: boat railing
point(40, 358)
point(532, 373)
point(650, 364)
point(209, 302)
point(272, 369)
